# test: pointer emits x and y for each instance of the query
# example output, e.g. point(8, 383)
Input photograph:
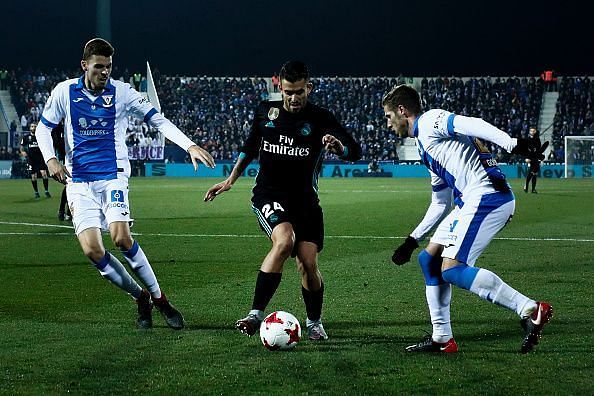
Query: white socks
point(142, 268)
point(489, 286)
point(111, 269)
point(438, 299)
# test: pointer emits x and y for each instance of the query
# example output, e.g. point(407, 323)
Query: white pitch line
point(36, 224)
point(176, 235)
point(38, 233)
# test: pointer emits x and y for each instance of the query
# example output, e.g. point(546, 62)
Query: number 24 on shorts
point(268, 210)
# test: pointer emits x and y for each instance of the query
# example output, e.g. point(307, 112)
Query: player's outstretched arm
point(441, 203)
point(199, 154)
point(404, 251)
point(57, 171)
point(333, 145)
point(343, 146)
point(242, 162)
point(217, 189)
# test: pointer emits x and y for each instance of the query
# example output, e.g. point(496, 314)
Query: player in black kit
point(58, 141)
point(533, 163)
point(290, 137)
point(35, 161)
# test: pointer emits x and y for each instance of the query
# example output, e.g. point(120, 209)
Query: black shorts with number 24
point(305, 216)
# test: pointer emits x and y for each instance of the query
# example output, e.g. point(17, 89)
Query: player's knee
point(94, 253)
point(284, 247)
point(122, 241)
point(307, 267)
point(461, 275)
point(431, 267)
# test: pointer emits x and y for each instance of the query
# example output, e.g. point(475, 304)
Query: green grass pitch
point(65, 329)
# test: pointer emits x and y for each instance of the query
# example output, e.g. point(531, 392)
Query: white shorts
point(98, 204)
point(467, 231)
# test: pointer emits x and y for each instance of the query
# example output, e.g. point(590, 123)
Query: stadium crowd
point(217, 112)
point(511, 104)
point(574, 117)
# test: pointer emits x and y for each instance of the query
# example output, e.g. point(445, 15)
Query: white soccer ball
point(280, 331)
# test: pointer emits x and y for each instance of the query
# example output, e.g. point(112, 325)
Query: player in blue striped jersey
point(95, 109)
point(452, 148)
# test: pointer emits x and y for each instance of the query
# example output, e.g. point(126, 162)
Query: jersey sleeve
point(170, 131)
point(477, 127)
point(138, 105)
point(55, 108)
point(441, 202)
point(352, 149)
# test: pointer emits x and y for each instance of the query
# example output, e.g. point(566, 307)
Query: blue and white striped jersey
point(95, 127)
point(451, 148)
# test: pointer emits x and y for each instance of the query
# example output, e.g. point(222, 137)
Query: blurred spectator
point(574, 113)
point(137, 78)
point(3, 79)
point(275, 82)
point(550, 80)
point(373, 167)
point(24, 122)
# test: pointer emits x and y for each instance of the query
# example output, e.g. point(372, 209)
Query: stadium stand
point(217, 111)
point(573, 112)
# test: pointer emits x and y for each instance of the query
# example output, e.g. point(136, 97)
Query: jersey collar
point(81, 85)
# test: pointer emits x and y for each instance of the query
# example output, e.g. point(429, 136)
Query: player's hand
point(527, 148)
point(403, 252)
point(217, 189)
point(57, 171)
point(333, 145)
point(199, 154)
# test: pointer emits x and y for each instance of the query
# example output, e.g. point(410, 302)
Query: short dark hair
point(97, 46)
point(293, 71)
point(403, 95)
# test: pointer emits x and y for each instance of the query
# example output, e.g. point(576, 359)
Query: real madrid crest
point(273, 113)
point(306, 129)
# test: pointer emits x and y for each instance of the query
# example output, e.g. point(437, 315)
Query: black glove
point(527, 148)
point(403, 252)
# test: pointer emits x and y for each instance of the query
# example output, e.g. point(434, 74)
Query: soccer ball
point(280, 331)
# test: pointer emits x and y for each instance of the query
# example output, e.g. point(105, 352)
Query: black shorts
point(305, 216)
point(36, 164)
point(534, 166)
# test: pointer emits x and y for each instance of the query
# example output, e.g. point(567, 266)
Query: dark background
point(357, 38)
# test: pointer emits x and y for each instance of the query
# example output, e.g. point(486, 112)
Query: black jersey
point(535, 162)
point(58, 141)
point(290, 149)
point(29, 143)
